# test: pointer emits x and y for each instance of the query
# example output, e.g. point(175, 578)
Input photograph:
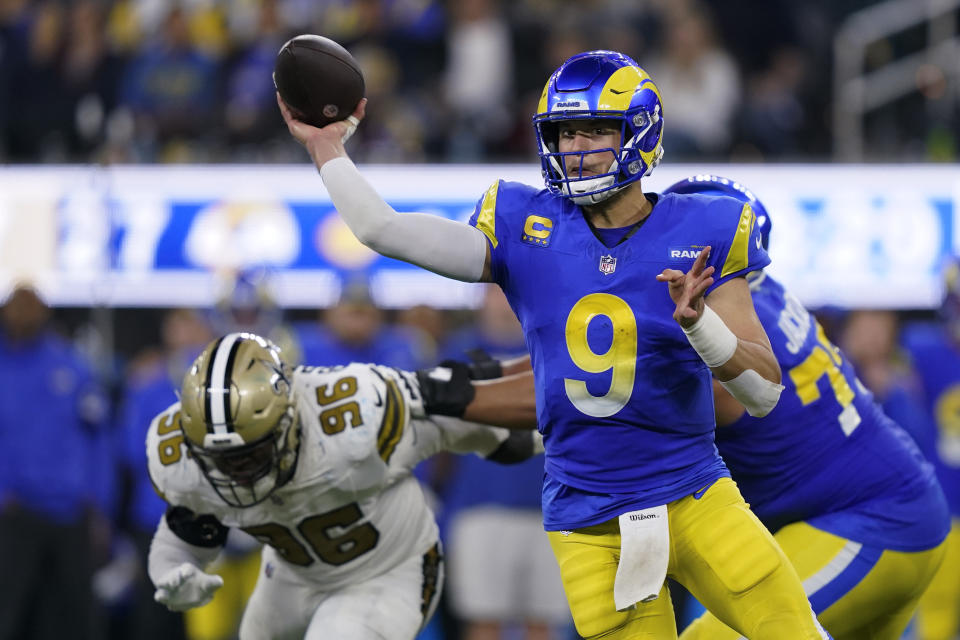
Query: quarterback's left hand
point(185, 587)
point(687, 289)
point(446, 389)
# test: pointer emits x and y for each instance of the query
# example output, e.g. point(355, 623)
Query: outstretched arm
point(507, 402)
point(175, 564)
point(727, 334)
point(450, 248)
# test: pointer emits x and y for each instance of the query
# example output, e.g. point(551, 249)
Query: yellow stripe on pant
point(220, 618)
point(938, 616)
point(860, 592)
point(718, 550)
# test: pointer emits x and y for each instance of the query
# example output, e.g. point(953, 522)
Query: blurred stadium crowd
point(139, 81)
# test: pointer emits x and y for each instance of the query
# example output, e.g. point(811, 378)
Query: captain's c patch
point(536, 230)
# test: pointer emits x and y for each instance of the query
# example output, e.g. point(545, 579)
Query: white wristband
point(712, 339)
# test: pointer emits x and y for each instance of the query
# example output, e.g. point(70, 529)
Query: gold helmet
point(239, 417)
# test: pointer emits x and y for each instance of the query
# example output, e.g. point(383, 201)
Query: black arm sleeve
point(200, 531)
point(516, 448)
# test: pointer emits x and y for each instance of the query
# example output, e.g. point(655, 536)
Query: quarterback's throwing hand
point(325, 143)
point(185, 587)
point(687, 289)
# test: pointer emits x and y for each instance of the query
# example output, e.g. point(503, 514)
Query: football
point(318, 79)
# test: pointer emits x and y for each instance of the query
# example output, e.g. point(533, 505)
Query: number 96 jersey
point(352, 509)
point(624, 403)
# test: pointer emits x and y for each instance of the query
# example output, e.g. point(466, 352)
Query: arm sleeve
point(168, 550)
point(443, 246)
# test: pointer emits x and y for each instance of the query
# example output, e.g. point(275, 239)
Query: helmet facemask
point(627, 165)
point(246, 474)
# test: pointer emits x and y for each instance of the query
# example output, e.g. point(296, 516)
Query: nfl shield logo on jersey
point(608, 264)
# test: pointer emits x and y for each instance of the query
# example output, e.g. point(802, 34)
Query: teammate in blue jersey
point(609, 284)
point(934, 350)
point(848, 496)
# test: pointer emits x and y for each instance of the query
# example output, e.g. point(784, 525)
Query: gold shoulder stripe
point(739, 256)
point(486, 220)
point(394, 417)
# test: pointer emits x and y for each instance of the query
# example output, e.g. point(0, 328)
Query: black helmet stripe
point(206, 386)
point(228, 379)
point(217, 385)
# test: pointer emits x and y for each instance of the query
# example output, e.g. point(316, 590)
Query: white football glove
point(185, 587)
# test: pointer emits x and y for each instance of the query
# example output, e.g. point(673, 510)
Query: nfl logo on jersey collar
point(608, 264)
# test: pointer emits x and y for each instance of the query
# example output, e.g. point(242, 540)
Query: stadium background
point(151, 194)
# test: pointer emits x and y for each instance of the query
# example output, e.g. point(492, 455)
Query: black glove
point(446, 389)
point(482, 366)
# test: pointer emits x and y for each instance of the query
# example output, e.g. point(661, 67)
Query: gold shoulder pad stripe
point(486, 220)
point(394, 417)
point(739, 256)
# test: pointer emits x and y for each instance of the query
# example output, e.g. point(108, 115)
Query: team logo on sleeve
point(537, 230)
point(608, 264)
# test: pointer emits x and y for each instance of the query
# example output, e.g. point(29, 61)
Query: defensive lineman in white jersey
point(316, 463)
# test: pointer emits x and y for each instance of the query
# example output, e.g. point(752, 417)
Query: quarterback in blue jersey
point(610, 284)
point(848, 496)
point(934, 350)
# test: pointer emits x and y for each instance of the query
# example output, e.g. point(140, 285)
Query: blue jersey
point(55, 455)
point(827, 454)
point(624, 403)
point(936, 359)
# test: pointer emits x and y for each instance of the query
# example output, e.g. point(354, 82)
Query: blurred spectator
point(91, 74)
point(477, 80)
point(53, 470)
point(152, 378)
point(250, 103)
point(773, 116)
point(38, 120)
point(871, 339)
point(354, 330)
point(700, 84)
point(934, 349)
point(429, 328)
point(446, 80)
point(502, 573)
point(399, 117)
point(171, 88)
